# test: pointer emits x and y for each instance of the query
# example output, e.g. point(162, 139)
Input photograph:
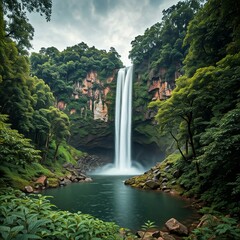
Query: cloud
point(99, 23)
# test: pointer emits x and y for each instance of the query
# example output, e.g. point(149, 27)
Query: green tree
point(56, 126)
point(212, 33)
point(14, 147)
point(16, 24)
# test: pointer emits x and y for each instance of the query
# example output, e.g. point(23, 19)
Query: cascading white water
point(123, 119)
point(123, 165)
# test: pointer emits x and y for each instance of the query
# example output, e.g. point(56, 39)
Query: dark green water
point(109, 199)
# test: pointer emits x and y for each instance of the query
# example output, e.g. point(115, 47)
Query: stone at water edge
point(41, 180)
point(28, 189)
point(166, 236)
point(145, 235)
point(88, 179)
point(152, 184)
point(176, 227)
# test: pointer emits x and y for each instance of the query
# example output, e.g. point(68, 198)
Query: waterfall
point(123, 119)
point(123, 164)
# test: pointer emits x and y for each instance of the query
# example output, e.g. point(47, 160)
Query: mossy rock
point(19, 183)
point(53, 182)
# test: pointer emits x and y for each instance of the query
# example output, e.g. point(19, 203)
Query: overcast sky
point(99, 23)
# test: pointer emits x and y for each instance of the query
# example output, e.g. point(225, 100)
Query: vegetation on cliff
point(158, 57)
point(81, 79)
point(202, 115)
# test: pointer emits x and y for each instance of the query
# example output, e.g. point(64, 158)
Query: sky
point(100, 23)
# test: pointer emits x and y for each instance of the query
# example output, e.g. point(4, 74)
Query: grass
point(21, 176)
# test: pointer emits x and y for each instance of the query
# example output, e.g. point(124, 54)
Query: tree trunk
point(178, 147)
point(186, 146)
point(46, 148)
point(189, 122)
point(56, 152)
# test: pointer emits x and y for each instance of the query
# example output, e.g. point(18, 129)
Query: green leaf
point(17, 229)
point(34, 225)
point(27, 236)
point(5, 229)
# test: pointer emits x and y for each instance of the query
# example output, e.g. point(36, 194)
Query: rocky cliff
point(150, 86)
point(94, 131)
point(95, 91)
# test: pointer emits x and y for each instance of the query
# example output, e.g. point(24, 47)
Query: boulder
point(166, 236)
point(164, 180)
point(173, 182)
point(145, 235)
point(67, 181)
point(167, 168)
point(69, 176)
point(176, 227)
point(88, 179)
point(164, 187)
point(156, 234)
point(62, 183)
point(129, 181)
point(41, 181)
point(28, 189)
point(73, 178)
point(152, 184)
point(157, 175)
point(177, 173)
point(80, 178)
point(68, 165)
point(81, 175)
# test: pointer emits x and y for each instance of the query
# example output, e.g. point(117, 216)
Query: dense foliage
point(199, 45)
point(17, 26)
point(159, 54)
point(33, 217)
point(202, 114)
point(216, 227)
point(80, 77)
point(32, 130)
point(14, 148)
point(66, 71)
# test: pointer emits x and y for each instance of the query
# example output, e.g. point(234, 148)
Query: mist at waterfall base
point(123, 164)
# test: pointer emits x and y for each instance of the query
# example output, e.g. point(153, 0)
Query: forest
point(48, 116)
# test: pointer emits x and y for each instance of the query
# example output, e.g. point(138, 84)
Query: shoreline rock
point(74, 174)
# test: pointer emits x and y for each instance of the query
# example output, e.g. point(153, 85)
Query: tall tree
point(212, 34)
point(16, 24)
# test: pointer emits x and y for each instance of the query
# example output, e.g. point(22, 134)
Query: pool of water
point(107, 198)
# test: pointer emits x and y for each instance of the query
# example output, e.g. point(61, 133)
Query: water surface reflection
point(109, 199)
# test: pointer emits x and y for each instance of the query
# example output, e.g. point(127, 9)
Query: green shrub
point(32, 217)
point(218, 228)
point(53, 182)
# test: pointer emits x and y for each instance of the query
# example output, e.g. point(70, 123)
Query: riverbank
point(70, 172)
point(166, 177)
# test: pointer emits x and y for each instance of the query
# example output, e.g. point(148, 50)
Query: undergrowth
point(33, 217)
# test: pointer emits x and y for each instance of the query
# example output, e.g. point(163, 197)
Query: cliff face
point(92, 94)
point(159, 88)
point(97, 132)
point(92, 128)
point(150, 87)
